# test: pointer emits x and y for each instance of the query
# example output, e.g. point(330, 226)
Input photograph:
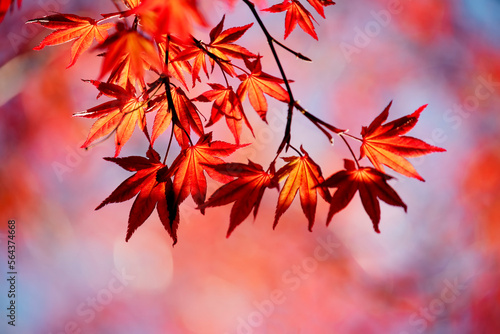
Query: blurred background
point(432, 270)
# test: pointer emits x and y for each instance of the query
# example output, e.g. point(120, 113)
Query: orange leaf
point(304, 175)
point(258, 83)
point(185, 118)
point(128, 55)
point(384, 143)
point(188, 167)
point(152, 190)
point(246, 191)
point(162, 120)
point(226, 103)
point(220, 48)
point(175, 68)
point(372, 185)
point(222, 45)
point(83, 30)
point(160, 17)
point(120, 115)
point(295, 13)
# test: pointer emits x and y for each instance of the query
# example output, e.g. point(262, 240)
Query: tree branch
point(170, 100)
point(291, 102)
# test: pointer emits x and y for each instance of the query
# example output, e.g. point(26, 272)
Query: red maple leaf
point(256, 84)
point(83, 30)
point(222, 44)
point(183, 114)
point(185, 118)
point(188, 167)
point(153, 189)
point(226, 103)
point(245, 191)
point(295, 13)
point(384, 143)
point(160, 17)
point(128, 55)
point(119, 115)
point(163, 117)
point(176, 69)
point(302, 174)
point(220, 48)
point(372, 185)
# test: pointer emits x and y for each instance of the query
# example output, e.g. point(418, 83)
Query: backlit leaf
point(303, 175)
point(245, 191)
point(385, 143)
point(68, 27)
point(372, 186)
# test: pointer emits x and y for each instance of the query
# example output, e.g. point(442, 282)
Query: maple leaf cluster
point(148, 57)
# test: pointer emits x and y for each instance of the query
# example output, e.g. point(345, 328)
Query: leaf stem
point(273, 162)
point(295, 53)
point(316, 120)
point(169, 143)
point(320, 124)
point(136, 23)
point(202, 46)
point(170, 100)
point(298, 152)
point(224, 75)
point(350, 149)
point(350, 136)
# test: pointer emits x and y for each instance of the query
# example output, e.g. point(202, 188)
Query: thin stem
point(273, 162)
point(350, 149)
point(169, 143)
point(224, 74)
point(202, 46)
point(147, 92)
point(108, 17)
point(102, 140)
point(240, 68)
point(315, 119)
point(320, 124)
point(295, 53)
point(326, 133)
point(136, 22)
point(170, 100)
point(350, 136)
point(298, 152)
